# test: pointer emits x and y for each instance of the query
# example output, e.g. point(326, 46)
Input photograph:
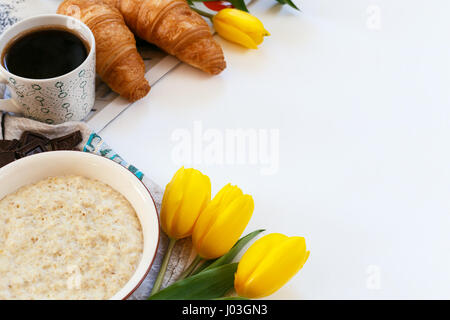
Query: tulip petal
point(196, 195)
point(184, 198)
point(253, 257)
point(277, 268)
point(177, 190)
point(228, 194)
point(226, 229)
point(203, 224)
point(245, 22)
point(171, 201)
point(233, 34)
point(209, 215)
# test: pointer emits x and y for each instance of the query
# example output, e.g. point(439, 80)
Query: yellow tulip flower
point(184, 199)
point(222, 222)
point(269, 264)
point(186, 195)
point(240, 27)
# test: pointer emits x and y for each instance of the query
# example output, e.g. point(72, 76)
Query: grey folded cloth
point(183, 254)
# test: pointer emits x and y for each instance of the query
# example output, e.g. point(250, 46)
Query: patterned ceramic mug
point(69, 97)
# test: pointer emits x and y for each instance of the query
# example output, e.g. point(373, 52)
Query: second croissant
point(174, 27)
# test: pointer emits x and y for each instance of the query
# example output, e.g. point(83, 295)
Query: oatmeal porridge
point(67, 237)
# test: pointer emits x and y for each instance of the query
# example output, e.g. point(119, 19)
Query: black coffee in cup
point(45, 53)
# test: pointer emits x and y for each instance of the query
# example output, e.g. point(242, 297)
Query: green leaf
point(288, 2)
point(292, 4)
point(203, 266)
point(211, 284)
point(227, 258)
point(239, 4)
point(190, 2)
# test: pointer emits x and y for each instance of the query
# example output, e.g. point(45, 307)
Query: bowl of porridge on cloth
point(74, 226)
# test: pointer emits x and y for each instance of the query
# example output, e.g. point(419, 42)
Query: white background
point(362, 108)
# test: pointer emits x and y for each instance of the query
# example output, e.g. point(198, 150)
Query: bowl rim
point(157, 243)
point(120, 167)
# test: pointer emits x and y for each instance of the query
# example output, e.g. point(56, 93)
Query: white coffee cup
point(69, 97)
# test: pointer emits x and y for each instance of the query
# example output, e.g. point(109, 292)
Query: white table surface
point(358, 91)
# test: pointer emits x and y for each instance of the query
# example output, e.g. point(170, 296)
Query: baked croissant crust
point(172, 26)
point(118, 61)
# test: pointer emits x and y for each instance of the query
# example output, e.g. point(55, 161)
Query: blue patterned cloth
point(96, 145)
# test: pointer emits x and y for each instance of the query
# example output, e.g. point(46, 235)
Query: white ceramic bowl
point(41, 166)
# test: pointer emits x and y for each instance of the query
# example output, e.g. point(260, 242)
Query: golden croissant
point(172, 26)
point(118, 61)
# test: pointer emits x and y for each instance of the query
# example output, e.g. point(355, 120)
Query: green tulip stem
point(203, 13)
point(186, 273)
point(163, 268)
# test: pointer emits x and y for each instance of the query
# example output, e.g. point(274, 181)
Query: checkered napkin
point(13, 127)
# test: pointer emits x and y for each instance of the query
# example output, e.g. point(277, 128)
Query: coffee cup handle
point(8, 105)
